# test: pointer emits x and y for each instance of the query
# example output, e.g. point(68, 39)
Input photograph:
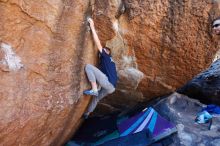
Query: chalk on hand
point(89, 19)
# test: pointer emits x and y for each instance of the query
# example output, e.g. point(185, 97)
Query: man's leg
point(107, 88)
point(95, 100)
point(93, 73)
point(91, 76)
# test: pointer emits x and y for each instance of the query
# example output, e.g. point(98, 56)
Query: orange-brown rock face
point(44, 46)
point(168, 41)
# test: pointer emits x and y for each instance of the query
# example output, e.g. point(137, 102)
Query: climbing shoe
point(85, 116)
point(91, 92)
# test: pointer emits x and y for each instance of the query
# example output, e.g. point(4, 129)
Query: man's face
point(216, 27)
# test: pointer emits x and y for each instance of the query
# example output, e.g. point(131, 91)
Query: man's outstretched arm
point(94, 34)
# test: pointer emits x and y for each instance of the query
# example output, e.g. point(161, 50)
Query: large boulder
point(157, 46)
point(205, 86)
point(44, 47)
point(168, 41)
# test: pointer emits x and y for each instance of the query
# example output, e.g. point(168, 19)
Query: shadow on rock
point(205, 86)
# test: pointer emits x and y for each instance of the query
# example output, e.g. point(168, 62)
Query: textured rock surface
point(182, 111)
point(205, 86)
point(167, 38)
point(157, 46)
point(162, 44)
point(44, 47)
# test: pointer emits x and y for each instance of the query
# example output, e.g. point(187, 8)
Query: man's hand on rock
point(91, 22)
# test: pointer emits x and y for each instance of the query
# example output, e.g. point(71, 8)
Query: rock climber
point(105, 75)
point(216, 26)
